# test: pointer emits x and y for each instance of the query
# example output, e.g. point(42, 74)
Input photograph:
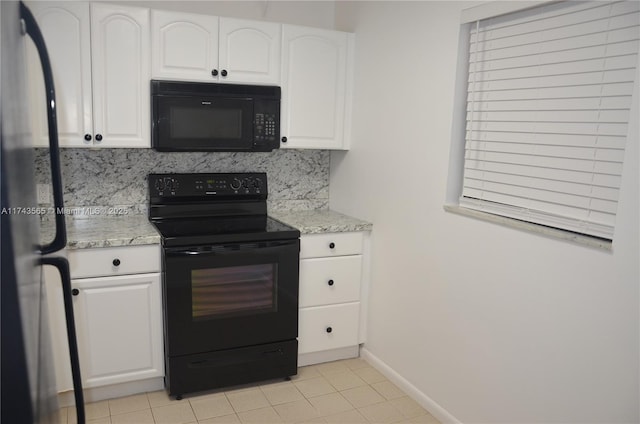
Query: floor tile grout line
point(306, 398)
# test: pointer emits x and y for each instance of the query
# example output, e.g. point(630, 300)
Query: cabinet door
point(316, 87)
point(121, 72)
point(249, 51)
point(65, 27)
point(119, 325)
point(184, 46)
point(324, 281)
point(328, 327)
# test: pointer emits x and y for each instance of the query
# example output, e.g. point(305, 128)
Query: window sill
point(534, 228)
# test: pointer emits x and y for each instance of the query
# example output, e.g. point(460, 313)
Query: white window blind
point(548, 105)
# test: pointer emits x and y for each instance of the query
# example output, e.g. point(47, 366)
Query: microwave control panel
point(266, 123)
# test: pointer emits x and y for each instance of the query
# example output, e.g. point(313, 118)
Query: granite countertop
point(320, 221)
point(135, 229)
point(105, 231)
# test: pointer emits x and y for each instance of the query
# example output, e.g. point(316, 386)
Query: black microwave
point(210, 117)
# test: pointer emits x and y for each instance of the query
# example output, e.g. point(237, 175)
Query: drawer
point(328, 327)
point(114, 261)
point(324, 281)
point(333, 244)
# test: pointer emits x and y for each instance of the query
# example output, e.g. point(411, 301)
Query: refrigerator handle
point(65, 276)
point(31, 27)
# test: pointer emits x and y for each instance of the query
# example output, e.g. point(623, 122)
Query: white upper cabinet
point(250, 51)
point(100, 60)
point(317, 73)
point(66, 29)
point(207, 48)
point(103, 56)
point(184, 46)
point(120, 65)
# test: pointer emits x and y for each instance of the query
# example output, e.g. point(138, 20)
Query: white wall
point(310, 13)
point(491, 323)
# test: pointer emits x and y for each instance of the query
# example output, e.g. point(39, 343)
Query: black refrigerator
point(28, 387)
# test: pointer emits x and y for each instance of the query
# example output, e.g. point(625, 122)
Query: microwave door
point(204, 124)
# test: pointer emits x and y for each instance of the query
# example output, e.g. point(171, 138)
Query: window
point(548, 99)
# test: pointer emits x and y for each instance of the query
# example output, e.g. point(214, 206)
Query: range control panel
point(208, 185)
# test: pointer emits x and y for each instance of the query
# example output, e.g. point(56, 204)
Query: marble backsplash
point(297, 179)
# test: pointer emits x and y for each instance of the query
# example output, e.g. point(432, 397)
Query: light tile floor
point(348, 391)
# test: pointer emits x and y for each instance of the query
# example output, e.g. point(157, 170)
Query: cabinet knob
point(98, 137)
point(214, 72)
point(332, 245)
point(116, 262)
point(330, 282)
point(329, 329)
point(87, 137)
point(75, 292)
point(284, 139)
point(223, 73)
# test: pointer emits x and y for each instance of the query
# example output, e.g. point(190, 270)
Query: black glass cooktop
point(198, 231)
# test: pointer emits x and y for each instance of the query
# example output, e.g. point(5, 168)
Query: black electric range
point(230, 281)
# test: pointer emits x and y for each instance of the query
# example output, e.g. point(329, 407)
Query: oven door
point(200, 123)
point(230, 295)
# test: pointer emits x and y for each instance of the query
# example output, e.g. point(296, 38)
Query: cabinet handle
point(284, 139)
point(330, 282)
point(98, 137)
point(75, 292)
point(223, 73)
point(116, 262)
point(329, 329)
point(87, 137)
point(332, 245)
point(214, 72)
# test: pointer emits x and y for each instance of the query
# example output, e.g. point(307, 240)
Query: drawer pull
point(332, 245)
point(75, 292)
point(330, 282)
point(116, 262)
point(329, 329)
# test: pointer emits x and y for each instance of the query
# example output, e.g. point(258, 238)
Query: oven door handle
point(230, 248)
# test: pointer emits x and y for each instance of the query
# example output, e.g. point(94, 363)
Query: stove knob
point(257, 183)
point(235, 184)
point(160, 184)
point(168, 183)
point(245, 183)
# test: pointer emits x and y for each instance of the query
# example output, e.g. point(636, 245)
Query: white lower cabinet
point(118, 316)
point(119, 328)
point(330, 280)
point(331, 271)
point(328, 327)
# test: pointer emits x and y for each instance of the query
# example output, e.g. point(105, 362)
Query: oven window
point(205, 123)
point(237, 290)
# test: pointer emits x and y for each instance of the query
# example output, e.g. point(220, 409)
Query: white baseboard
point(327, 355)
point(96, 394)
point(425, 401)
